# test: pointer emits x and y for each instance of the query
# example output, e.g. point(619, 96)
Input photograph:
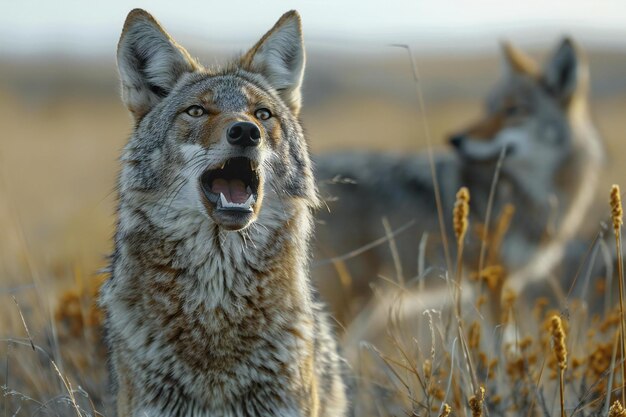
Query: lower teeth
point(223, 203)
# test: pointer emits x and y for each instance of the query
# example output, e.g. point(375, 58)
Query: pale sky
point(81, 26)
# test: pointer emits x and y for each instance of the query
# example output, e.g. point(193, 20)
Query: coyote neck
point(178, 278)
point(209, 304)
point(210, 270)
point(583, 194)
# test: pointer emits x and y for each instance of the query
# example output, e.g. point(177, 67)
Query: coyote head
point(538, 116)
point(221, 143)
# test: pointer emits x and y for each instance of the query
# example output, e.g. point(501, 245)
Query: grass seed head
point(492, 275)
point(509, 297)
point(445, 412)
point(427, 368)
point(476, 402)
point(558, 338)
point(474, 335)
point(617, 410)
point(616, 208)
point(461, 213)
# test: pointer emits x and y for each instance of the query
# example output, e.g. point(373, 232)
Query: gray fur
point(202, 321)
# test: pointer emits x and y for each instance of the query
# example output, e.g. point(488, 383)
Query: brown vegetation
point(57, 166)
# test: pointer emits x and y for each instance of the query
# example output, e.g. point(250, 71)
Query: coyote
point(537, 118)
point(209, 310)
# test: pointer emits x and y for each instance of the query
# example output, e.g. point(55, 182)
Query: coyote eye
point(515, 110)
point(263, 114)
point(195, 111)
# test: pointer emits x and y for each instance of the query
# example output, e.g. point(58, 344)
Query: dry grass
point(460, 221)
point(57, 168)
point(522, 361)
point(617, 217)
point(560, 352)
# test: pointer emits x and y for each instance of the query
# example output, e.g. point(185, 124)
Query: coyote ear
point(279, 57)
point(517, 61)
point(149, 62)
point(566, 73)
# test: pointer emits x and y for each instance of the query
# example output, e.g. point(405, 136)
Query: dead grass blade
point(492, 192)
point(364, 248)
point(431, 158)
point(19, 310)
point(394, 251)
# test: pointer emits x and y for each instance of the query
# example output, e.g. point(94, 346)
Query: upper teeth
point(245, 206)
point(253, 165)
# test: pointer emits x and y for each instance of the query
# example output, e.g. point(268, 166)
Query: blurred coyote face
point(214, 142)
point(529, 114)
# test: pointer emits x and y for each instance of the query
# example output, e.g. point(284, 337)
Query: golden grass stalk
point(617, 410)
point(476, 402)
point(430, 152)
point(345, 279)
point(560, 351)
point(460, 213)
point(394, 251)
point(617, 216)
point(558, 337)
point(492, 276)
point(492, 192)
point(616, 208)
point(460, 221)
point(474, 336)
point(427, 369)
point(502, 227)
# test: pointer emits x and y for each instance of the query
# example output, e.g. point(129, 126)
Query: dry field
point(62, 128)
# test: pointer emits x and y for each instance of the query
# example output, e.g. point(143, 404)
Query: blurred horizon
point(72, 28)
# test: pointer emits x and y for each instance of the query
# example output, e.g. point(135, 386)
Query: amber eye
point(195, 111)
point(515, 110)
point(262, 114)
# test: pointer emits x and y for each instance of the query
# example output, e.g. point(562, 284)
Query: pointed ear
point(149, 62)
point(517, 61)
point(279, 57)
point(566, 73)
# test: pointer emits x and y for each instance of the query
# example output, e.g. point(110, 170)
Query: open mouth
point(234, 187)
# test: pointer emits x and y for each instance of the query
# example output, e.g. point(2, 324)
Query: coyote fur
point(538, 118)
point(209, 309)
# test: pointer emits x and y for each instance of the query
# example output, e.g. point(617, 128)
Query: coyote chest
point(186, 341)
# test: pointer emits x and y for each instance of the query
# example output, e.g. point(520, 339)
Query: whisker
point(195, 162)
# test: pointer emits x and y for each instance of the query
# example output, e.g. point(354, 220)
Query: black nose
point(244, 134)
point(457, 140)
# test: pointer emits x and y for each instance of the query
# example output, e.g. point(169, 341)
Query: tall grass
point(532, 359)
point(617, 217)
point(515, 360)
point(497, 354)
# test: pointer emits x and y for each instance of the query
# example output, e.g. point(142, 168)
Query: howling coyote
point(209, 310)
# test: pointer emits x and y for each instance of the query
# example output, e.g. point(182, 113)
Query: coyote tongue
point(234, 190)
